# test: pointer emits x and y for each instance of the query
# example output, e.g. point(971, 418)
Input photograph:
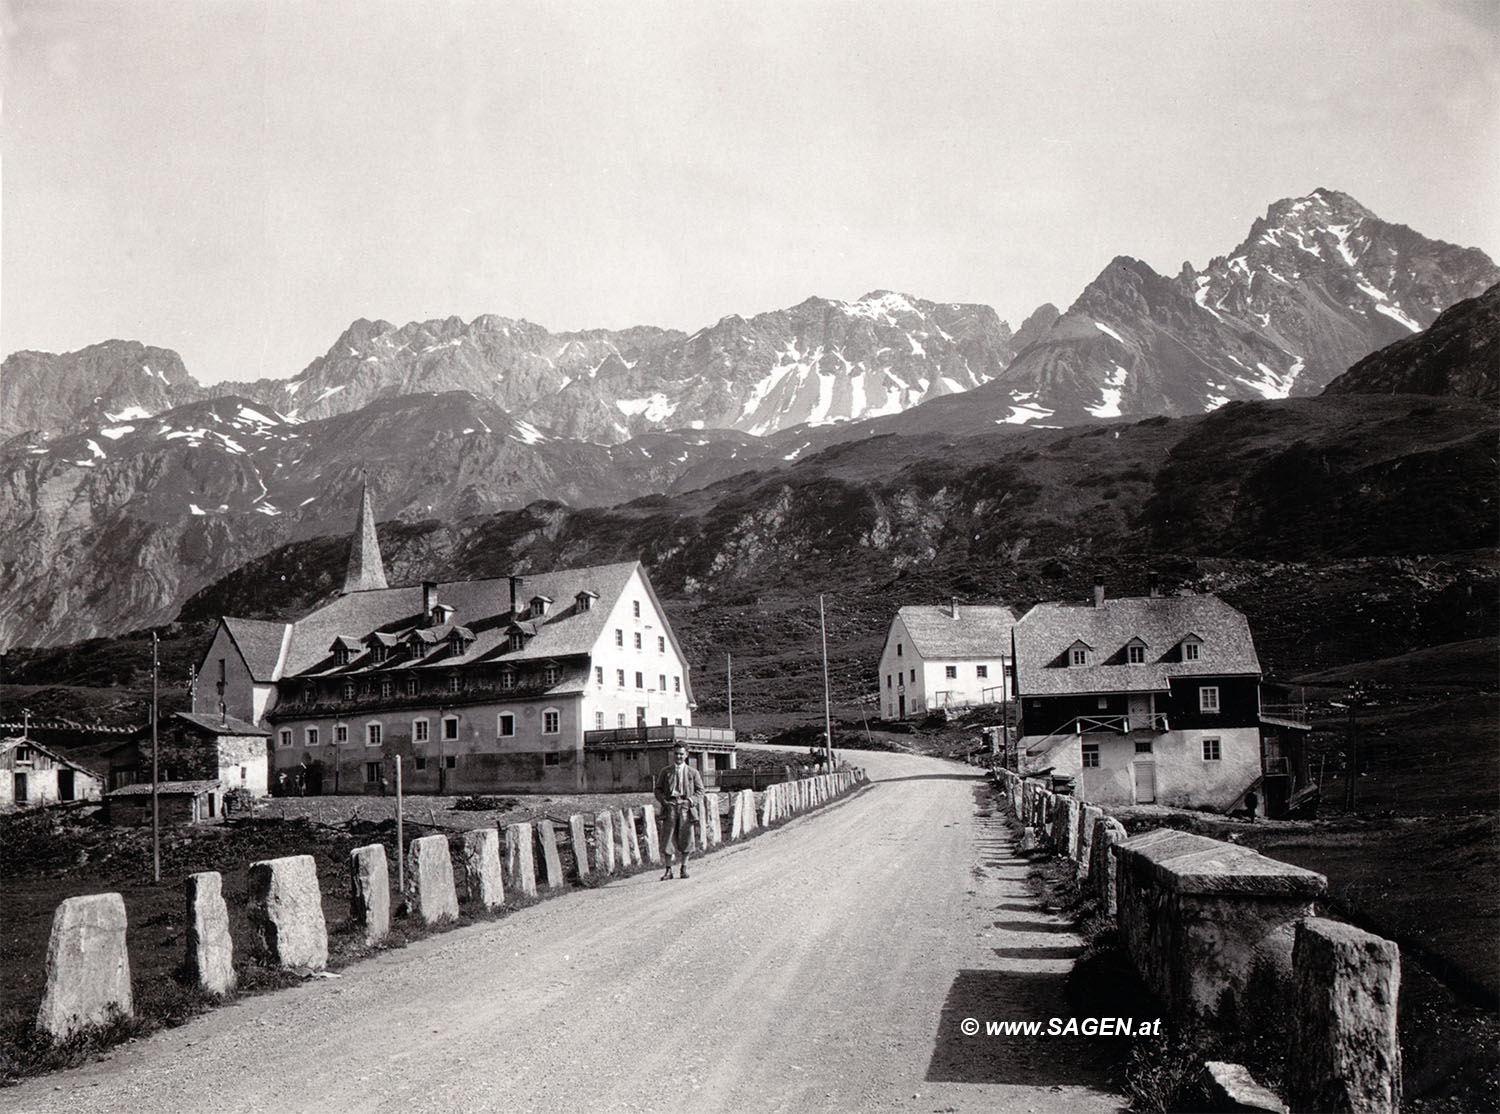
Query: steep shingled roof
point(481, 606)
point(260, 644)
point(1046, 632)
point(980, 631)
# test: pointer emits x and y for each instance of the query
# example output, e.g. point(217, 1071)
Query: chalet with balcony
point(475, 685)
point(1141, 700)
point(946, 656)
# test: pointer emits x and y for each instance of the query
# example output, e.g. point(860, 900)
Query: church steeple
point(366, 570)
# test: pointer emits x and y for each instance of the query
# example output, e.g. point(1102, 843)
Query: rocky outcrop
point(1459, 355)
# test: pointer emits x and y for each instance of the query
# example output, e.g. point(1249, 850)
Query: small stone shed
point(178, 802)
point(195, 747)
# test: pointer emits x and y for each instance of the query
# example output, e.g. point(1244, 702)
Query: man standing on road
point(679, 792)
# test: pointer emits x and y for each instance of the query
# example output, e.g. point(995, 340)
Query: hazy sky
point(240, 180)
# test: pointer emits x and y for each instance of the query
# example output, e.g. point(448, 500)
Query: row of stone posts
point(1198, 917)
point(88, 967)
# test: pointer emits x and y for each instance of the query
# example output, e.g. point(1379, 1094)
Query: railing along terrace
point(666, 733)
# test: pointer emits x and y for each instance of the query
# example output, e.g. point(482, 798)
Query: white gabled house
point(946, 656)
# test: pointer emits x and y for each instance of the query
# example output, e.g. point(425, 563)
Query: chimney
point(515, 597)
point(1153, 585)
point(1098, 592)
point(429, 599)
point(953, 607)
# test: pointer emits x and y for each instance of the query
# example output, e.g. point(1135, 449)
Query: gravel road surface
point(825, 966)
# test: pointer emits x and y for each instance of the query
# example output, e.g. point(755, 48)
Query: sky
point(239, 180)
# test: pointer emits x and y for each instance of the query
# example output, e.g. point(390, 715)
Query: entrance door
point(1143, 774)
point(20, 784)
point(64, 785)
point(1140, 712)
point(901, 714)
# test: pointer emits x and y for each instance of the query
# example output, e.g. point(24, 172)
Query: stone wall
point(1206, 923)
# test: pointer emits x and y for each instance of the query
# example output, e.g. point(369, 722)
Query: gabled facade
point(34, 776)
point(948, 656)
point(477, 685)
point(1141, 700)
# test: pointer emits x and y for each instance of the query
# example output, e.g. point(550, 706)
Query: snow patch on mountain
point(130, 414)
point(1396, 315)
point(1111, 392)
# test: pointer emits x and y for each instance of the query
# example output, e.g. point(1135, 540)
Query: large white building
point(477, 685)
point(947, 656)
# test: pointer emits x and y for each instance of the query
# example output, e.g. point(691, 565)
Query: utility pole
point(155, 771)
point(729, 669)
point(827, 709)
point(400, 834)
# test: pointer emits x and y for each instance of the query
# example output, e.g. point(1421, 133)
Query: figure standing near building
point(679, 793)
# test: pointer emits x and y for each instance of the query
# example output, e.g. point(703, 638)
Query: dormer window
point(540, 606)
point(459, 640)
point(1135, 652)
point(345, 648)
point(517, 640)
point(1078, 656)
point(1192, 646)
point(585, 599)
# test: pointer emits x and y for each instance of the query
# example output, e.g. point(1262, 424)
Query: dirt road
point(828, 965)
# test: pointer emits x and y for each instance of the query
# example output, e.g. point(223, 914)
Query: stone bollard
point(286, 912)
point(210, 952)
point(370, 892)
point(430, 891)
point(1102, 865)
point(737, 817)
point(653, 836)
point(604, 843)
point(88, 968)
point(622, 840)
point(751, 822)
point(1088, 819)
point(546, 839)
point(713, 821)
point(1344, 1054)
point(578, 833)
point(633, 835)
point(765, 808)
point(479, 867)
point(520, 863)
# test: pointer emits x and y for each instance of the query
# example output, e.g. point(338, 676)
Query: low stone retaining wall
point(1207, 923)
point(88, 967)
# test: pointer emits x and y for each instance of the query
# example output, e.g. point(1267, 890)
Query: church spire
point(366, 570)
